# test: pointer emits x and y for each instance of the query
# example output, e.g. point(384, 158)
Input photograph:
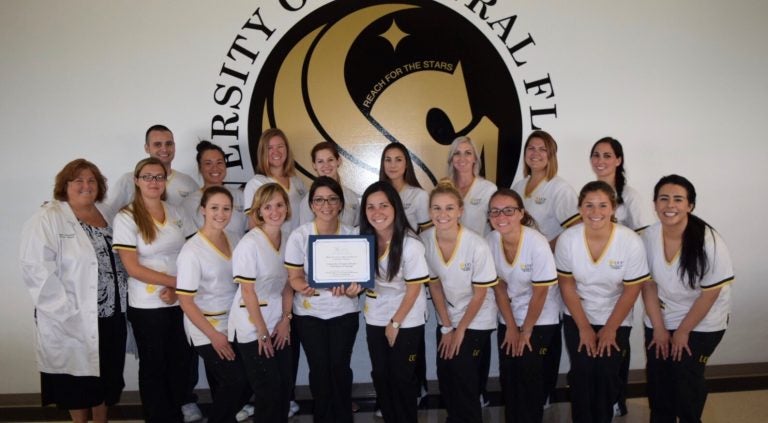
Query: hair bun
point(203, 145)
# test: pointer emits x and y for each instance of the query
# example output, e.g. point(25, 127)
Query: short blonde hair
point(263, 195)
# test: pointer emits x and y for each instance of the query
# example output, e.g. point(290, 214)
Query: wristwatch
point(395, 324)
point(445, 330)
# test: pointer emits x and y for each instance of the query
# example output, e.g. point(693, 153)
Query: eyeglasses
point(319, 201)
point(507, 211)
point(150, 178)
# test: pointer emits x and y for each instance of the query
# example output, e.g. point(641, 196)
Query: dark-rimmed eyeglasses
point(506, 211)
point(319, 201)
point(150, 178)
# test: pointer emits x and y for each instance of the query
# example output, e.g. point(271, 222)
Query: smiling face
point(672, 205)
point(536, 155)
point(160, 145)
point(604, 161)
point(380, 212)
point(326, 205)
point(445, 211)
point(394, 164)
point(82, 190)
point(463, 160)
point(213, 167)
point(276, 152)
point(217, 211)
point(502, 223)
point(154, 187)
point(274, 211)
point(596, 210)
point(326, 164)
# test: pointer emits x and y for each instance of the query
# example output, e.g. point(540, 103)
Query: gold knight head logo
point(366, 74)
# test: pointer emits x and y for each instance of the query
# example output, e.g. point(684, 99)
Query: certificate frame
point(356, 261)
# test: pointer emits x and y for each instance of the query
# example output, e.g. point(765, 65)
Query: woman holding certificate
point(461, 271)
point(326, 318)
point(395, 308)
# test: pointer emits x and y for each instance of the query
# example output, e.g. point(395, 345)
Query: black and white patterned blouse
point(113, 279)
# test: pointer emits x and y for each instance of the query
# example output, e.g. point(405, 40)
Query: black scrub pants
point(227, 382)
point(677, 389)
point(271, 380)
point(394, 372)
point(328, 346)
point(458, 378)
point(594, 381)
point(164, 357)
point(523, 388)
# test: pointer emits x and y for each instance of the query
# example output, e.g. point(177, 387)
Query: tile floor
point(726, 407)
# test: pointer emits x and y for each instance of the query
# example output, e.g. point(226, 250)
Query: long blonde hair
point(262, 153)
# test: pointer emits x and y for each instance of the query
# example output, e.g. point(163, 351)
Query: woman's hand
point(606, 340)
point(661, 342)
point(511, 336)
point(168, 295)
point(680, 344)
point(445, 343)
point(588, 340)
point(391, 333)
point(221, 345)
point(265, 346)
point(457, 339)
point(524, 340)
point(282, 334)
point(306, 290)
point(353, 290)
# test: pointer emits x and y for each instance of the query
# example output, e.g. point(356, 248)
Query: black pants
point(523, 388)
point(394, 372)
point(484, 368)
point(328, 346)
point(271, 381)
point(594, 381)
point(458, 378)
point(677, 389)
point(227, 383)
point(164, 357)
point(552, 362)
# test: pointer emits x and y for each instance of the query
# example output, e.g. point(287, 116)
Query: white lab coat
point(59, 267)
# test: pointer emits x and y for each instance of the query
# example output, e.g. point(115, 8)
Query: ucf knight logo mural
point(363, 74)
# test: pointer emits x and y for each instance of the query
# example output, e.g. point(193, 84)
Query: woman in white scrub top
point(326, 162)
point(396, 168)
point(687, 302)
point(464, 171)
point(275, 164)
point(601, 267)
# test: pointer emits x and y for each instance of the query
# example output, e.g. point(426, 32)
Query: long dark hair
point(621, 177)
point(401, 227)
point(694, 262)
point(410, 174)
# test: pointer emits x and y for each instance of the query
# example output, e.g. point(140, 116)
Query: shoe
point(484, 402)
point(547, 404)
point(191, 412)
point(245, 412)
point(378, 413)
point(619, 410)
point(293, 408)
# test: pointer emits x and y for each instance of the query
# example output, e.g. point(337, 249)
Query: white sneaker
point(245, 412)
point(191, 412)
point(378, 413)
point(547, 404)
point(293, 408)
point(484, 402)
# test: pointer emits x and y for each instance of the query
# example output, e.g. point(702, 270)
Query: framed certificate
point(341, 259)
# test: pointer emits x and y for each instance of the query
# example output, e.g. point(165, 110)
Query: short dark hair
point(328, 182)
point(156, 127)
point(70, 172)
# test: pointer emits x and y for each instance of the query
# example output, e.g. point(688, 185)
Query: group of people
point(532, 262)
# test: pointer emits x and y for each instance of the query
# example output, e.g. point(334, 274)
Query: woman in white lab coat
point(78, 287)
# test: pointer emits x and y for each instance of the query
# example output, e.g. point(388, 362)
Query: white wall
point(682, 84)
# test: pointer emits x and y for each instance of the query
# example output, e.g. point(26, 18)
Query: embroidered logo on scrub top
point(616, 264)
point(465, 266)
point(526, 267)
point(475, 201)
point(539, 200)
